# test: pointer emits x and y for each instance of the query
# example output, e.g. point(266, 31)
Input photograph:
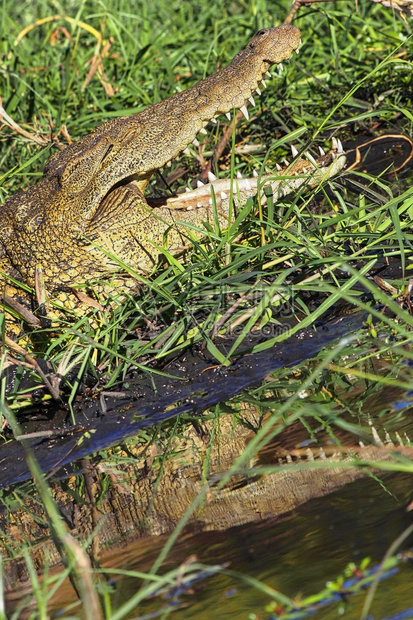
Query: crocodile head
point(135, 147)
point(93, 189)
point(89, 204)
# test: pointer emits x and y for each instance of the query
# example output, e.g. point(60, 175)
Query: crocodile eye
point(261, 32)
point(80, 169)
point(109, 149)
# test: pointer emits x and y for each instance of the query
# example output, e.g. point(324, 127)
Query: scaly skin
point(47, 225)
point(91, 193)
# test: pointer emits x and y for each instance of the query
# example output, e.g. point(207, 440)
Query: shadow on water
point(210, 387)
point(298, 552)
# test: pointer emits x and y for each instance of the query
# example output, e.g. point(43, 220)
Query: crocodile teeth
point(263, 84)
point(294, 151)
point(195, 142)
point(251, 100)
point(239, 175)
point(199, 204)
point(187, 151)
point(278, 167)
point(322, 151)
point(211, 176)
point(286, 162)
point(258, 91)
point(199, 184)
point(297, 51)
point(203, 131)
point(339, 146)
point(223, 195)
point(280, 68)
point(169, 164)
point(210, 202)
point(247, 184)
point(255, 174)
point(311, 159)
point(228, 115)
point(187, 189)
point(334, 144)
point(245, 112)
point(268, 73)
point(214, 120)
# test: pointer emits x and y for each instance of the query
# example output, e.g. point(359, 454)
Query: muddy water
point(298, 552)
point(296, 555)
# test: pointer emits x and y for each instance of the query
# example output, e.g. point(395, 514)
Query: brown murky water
point(296, 555)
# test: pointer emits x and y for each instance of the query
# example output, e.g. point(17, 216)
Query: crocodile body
point(89, 204)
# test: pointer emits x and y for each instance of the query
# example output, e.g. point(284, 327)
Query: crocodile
point(88, 214)
point(144, 502)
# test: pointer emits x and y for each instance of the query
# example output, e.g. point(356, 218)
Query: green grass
point(334, 86)
point(305, 255)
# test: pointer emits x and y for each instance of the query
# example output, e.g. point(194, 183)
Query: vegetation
point(66, 69)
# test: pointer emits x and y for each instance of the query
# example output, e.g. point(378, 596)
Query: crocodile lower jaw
point(304, 171)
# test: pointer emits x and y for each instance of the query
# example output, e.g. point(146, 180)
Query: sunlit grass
point(304, 249)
